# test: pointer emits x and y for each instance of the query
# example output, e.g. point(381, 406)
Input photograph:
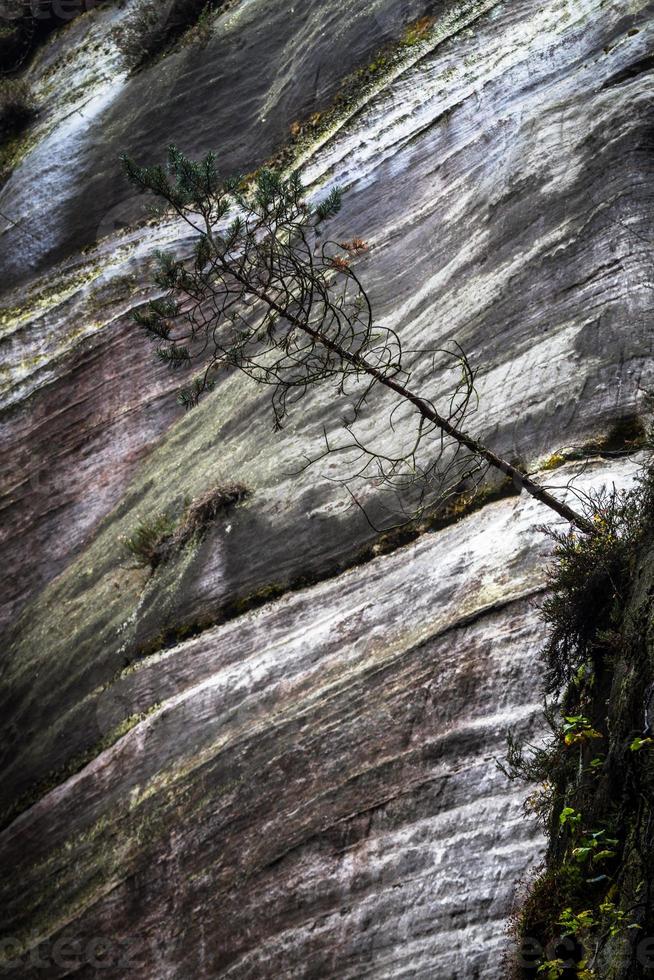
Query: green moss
point(46, 297)
point(267, 593)
point(553, 462)
point(352, 92)
point(469, 503)
point(418, 38)
point(182, 631)
point(627, 435)
point(418, 31)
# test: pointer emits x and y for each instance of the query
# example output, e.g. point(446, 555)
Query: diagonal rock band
point(317, 324)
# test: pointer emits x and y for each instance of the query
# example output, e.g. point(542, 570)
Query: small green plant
point(596, 808)
point(556, 968)
point(578, 730)
point(569, 817)
point(617, 919)
point(576, 923)
point(596, 846)
point(147, 542)
point(551, 969)
point(589, 580)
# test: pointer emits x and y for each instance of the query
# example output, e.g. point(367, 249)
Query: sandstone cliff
point(274, 756)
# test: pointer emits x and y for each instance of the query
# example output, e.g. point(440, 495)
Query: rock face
point(306, 788)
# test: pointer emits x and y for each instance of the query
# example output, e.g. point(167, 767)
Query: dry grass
point(157, 539)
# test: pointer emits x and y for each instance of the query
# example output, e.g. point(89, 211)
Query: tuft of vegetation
point(590, 580)
point(554, 461)
point(17, 107)
point(585, 913)
point(417, 31)
point(157, 539)
point(147, 543)
point(626, 435)
point(208, 507)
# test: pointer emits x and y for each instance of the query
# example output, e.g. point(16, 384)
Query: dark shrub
point(17, 107)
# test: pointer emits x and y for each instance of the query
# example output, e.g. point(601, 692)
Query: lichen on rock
point(274, 755)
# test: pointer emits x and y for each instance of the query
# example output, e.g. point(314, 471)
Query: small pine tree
point(266, 293)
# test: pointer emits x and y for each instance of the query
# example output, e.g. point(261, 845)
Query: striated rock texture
point(306, 788)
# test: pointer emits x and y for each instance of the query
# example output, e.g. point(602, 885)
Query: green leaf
point(639, 743)
point(569, 815)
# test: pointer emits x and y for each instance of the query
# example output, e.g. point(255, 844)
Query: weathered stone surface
point(267, 63)
point(309, 790)
point(315, 780)
point(546, 290)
